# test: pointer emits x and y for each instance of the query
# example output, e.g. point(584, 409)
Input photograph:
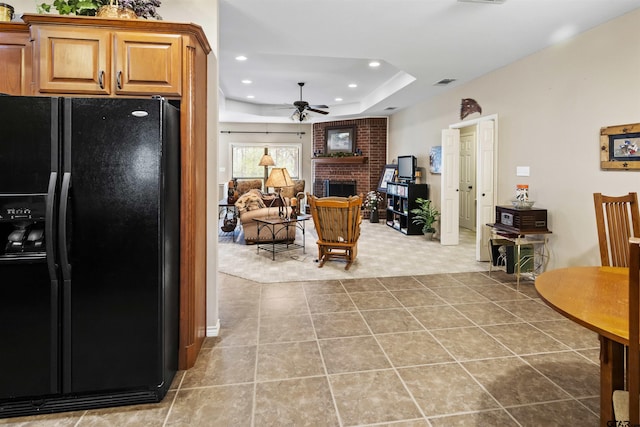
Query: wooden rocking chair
point(337, 221)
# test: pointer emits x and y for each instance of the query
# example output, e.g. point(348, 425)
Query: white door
point(450, 199)
point(467, 184)
point(485, 187)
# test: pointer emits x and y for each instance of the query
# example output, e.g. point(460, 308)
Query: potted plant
point(425, 215)
point(371, 202)
point(142, 8)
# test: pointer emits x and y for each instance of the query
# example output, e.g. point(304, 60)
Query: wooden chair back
point(633, 374)
point(337, 222)
point(617, 219)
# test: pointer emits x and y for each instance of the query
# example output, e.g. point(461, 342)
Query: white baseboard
point(213, 331)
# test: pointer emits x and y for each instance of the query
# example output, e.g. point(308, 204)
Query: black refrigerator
point(89, 252)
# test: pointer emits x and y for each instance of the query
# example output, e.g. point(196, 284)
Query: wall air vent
point(444, 82)
point(483, 1)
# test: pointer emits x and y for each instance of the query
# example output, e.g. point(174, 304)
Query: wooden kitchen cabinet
point(15, 59)
point(99, 57)
point(98, 62)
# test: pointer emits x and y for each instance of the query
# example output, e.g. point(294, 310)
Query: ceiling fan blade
point(317, 111)
point(319, 106)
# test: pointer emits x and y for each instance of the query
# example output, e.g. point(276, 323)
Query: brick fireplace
point(371, 139)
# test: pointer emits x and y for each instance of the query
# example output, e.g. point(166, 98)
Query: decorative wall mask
point(469, 106)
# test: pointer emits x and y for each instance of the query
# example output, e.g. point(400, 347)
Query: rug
point(382, 252)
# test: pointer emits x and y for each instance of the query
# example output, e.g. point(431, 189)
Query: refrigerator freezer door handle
point(62, 226)
point(49, 226)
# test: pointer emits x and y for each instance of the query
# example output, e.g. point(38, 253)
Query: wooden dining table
point(598, 299)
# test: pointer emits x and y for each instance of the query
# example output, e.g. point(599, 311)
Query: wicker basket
point(114, 10)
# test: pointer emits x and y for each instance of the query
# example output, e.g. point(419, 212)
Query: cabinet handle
point(119, 80)
point(101, 79)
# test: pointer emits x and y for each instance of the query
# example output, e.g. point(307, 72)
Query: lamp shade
point(266, 160)
point(279, 178)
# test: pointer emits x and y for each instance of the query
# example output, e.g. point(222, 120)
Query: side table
point(537, 239)
point(224, 210)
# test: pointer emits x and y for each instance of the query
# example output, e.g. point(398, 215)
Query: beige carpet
point(382, 252)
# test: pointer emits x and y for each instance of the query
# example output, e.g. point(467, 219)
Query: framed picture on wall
point(388, 175)
point(340, 139)
point(620, 147)
point(435, 159)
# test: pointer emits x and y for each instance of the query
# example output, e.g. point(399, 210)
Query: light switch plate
point(522, 170)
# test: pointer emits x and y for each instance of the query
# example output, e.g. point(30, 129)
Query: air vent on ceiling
point(483, 1)
point(444, 82)
point(390, 108)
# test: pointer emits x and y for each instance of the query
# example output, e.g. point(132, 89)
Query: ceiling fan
point(302, 107)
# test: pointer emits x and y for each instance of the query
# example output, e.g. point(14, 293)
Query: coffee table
point(273, 226)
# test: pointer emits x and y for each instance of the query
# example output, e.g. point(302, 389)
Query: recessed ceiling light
point(374, 64)
point(250, 96)
point(352, 85)
point(241, 58)
point(338, 99)
point(247, 81)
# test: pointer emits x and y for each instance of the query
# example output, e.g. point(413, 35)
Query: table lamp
point(266, 161)
point(279, 178)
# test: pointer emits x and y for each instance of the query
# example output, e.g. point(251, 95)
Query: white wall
point(238, 136)
point(205, 14)
point(550, 106)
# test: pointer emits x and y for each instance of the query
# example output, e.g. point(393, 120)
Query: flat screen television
point(407, 168)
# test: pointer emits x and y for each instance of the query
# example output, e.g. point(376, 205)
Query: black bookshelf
point(401, 199)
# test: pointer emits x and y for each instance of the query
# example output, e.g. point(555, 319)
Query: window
point(245, 159)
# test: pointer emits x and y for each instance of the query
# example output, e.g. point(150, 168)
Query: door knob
point(470, 187)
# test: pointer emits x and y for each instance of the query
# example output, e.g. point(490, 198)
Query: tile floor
point(458, 349)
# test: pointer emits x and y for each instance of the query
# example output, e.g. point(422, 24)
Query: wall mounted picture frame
point(620, 147)
point(340, 139)
point(387, 176)
point(435, 159)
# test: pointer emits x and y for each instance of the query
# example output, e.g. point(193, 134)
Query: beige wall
point(550, 107)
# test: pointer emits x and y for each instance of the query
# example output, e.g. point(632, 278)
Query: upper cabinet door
point(15, 62)
point(73, 60)
point(148, 64)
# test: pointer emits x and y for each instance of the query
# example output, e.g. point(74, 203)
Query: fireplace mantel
point(349, 159)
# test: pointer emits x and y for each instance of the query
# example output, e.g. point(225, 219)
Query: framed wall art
point(620, 147)
point(340, 139)
point(435, 159)
point(388, 175)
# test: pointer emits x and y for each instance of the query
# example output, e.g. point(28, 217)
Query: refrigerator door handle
point(49, 226)
point(62, 226)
